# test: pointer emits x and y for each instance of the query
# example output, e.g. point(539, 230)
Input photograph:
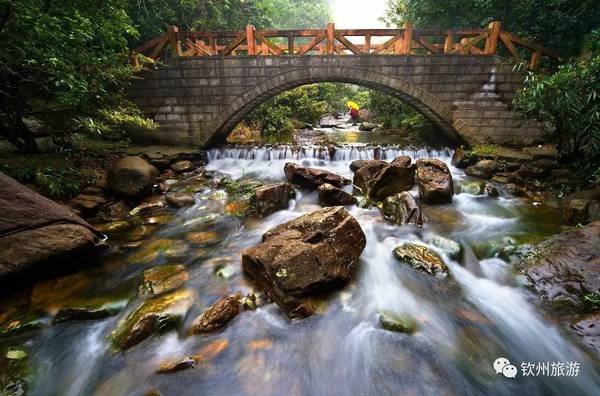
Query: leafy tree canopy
point(557, 24)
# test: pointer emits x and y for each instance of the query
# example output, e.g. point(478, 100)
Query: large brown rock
point(313, 253)
point(379, 179)
point(273, 197)
point(565, 272)
point(483, 169)
point(132, 177)
point(333, 196)
point(566, 267)
point(434, 180)
point(36, 232)
point(312, 177)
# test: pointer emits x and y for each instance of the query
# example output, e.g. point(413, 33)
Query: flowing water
point(466, 321)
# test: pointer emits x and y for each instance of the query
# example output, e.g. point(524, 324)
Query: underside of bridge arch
point(435, 110)
point(199, 100)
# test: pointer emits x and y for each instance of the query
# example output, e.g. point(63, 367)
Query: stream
point(481, 312)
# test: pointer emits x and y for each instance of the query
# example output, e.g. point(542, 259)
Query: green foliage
point(306, 104)
point(393, 113)
point(558, 24)
point(240, 189)
point(115, 124)
point(53, 180)
point(592, 300)
point(152, 17)
point(568, 101)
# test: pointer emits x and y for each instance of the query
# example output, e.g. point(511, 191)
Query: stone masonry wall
point(199, 100)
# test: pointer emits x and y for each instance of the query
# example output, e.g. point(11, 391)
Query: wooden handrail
point(331, 41)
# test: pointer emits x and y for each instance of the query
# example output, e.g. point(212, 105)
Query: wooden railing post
point(492, 39)
point(330, 38)
point(535, 60)
point(251, 39)
point(174, 43)
point(449, 43)
point(407, 38)
point(291, 44)
point(367, 49)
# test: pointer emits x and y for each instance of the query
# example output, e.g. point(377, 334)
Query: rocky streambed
point(359, 270)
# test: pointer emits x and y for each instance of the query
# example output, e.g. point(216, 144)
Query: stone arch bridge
point(199, 95)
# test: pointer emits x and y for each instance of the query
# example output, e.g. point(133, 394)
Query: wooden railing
point(330, 41)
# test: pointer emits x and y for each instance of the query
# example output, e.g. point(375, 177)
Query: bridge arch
point(434, 109)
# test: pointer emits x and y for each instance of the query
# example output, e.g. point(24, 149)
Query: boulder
point(366, 171)
point(463, 158)
point(566, 267)
point(36, 233)
point(580, 211)
point(588, 328)
point(333, 196)
point(156, 315)
point(182, 166)
point(87, 204)
point(421, 258)
point(483, 169)
point(273, 197)
point(492, 191)
point(180, 199)
point(132, 177)
point(396, 177)
point(357, 164)
point(367, 126)
point(434, 180)
point(217, 316)
point(313, 253)
point(312, 177)
point(91, 312)
point(402, 208)
point(379, 179)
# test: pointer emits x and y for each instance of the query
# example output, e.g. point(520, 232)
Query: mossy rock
point(421, 258)
point(452, 249)
point(155, 316)
point(89, 311)
point(396, 322)
point(163, 279)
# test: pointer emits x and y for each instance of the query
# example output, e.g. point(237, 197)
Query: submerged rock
point(333, 196)
point(312, 177)
point(367, 126)
point(452, 249)
point(156, 315)
point(163, 279)
point(398, 323)
point(273, 197)
point(403, 209)
point(476, 187)
point(178, 365)
point(313, 253)
point(180, 199)
point(182, 166)
point(89, 312)
point(421, 258)
point(39, 235)
point(217, 316)
point(132, 177)
point(434, 180)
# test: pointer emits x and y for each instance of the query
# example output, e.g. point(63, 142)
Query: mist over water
point(464, 322)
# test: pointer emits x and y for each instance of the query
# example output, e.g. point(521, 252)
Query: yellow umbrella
point(353, 105)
